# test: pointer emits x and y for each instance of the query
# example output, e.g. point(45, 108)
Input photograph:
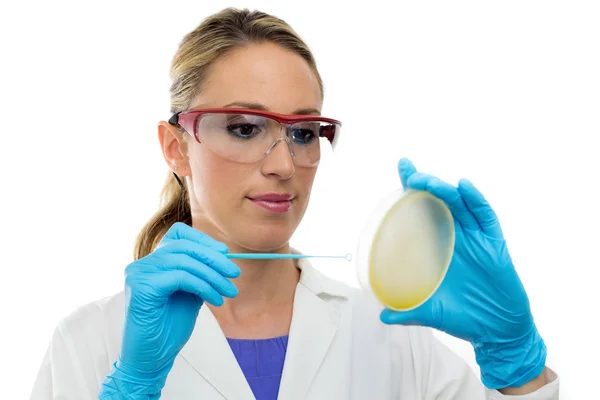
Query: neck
point(264, 283)
point(266, 287)
point(264, 304)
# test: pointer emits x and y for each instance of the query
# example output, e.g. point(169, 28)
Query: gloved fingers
point(420, 316)
point(173, 280)
point(206, 255)
point(483, 212)
point(405, 170)
point(189, 264)
point(179, 230)
point(448, 194)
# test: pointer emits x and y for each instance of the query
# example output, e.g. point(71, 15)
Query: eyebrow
point(257, 106)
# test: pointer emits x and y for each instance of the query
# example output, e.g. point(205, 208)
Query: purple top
point(261, 362)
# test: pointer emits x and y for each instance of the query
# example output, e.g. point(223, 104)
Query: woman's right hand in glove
point(163, 295)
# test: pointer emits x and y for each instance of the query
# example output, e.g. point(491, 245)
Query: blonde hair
point(215, 36)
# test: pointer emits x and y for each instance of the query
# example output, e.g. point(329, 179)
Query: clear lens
point(248, 138)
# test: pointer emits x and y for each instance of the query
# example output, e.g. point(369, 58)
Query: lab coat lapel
point(313, 328)
point(208, 352)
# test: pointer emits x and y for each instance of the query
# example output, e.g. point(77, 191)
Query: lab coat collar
point(318, 283)
point(314, 325)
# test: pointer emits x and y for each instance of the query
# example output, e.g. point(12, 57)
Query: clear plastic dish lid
point(405, 249)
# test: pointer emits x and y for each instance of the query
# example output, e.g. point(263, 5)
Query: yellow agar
point(411, 251)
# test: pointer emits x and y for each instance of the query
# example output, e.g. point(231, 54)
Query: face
point(224, 193)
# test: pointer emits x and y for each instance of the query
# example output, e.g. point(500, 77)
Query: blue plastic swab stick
point(266, 256)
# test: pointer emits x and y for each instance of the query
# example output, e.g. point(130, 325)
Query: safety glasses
point(247, 135)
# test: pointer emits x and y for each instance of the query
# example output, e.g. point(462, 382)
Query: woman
point(243, 146)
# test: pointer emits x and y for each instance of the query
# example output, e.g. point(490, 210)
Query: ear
point(174, 148)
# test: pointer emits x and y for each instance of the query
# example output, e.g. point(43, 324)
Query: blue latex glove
point(163, 295)
point(481, 299)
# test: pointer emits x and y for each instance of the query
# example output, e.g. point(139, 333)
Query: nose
point(279, 160)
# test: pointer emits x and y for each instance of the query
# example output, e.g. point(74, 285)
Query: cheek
point(217, 181)
point(306, 177)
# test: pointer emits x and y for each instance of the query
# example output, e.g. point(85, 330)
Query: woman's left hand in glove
point(481, 299)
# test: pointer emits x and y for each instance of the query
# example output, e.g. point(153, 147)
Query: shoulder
point(95, 326)
point(81, 350)
point(106, 309)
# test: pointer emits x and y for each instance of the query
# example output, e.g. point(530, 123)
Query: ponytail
point(175, 207)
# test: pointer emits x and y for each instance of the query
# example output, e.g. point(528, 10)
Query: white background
point(506, 94)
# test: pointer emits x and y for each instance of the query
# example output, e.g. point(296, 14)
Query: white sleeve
point(59, 377)
point(76, 360)
point(42, 388)
point(547, 392)
point(448, 376)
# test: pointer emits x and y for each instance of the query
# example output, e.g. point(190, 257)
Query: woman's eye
point(303, 136)
point(244, 130)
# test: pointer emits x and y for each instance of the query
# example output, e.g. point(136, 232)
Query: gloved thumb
point(421, 316)
point(406, 169)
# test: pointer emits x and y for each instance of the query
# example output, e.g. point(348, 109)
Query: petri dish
point(405, 249)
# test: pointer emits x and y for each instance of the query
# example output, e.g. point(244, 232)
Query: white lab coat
point(337, 349)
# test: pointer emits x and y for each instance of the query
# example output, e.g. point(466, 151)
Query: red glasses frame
point(187, 119)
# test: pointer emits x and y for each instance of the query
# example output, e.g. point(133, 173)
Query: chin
point(264, 238)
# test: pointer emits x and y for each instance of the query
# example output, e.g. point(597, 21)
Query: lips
point(273, 202)
point(274, 197)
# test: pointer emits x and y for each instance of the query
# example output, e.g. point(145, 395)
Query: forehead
point(265, 74)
